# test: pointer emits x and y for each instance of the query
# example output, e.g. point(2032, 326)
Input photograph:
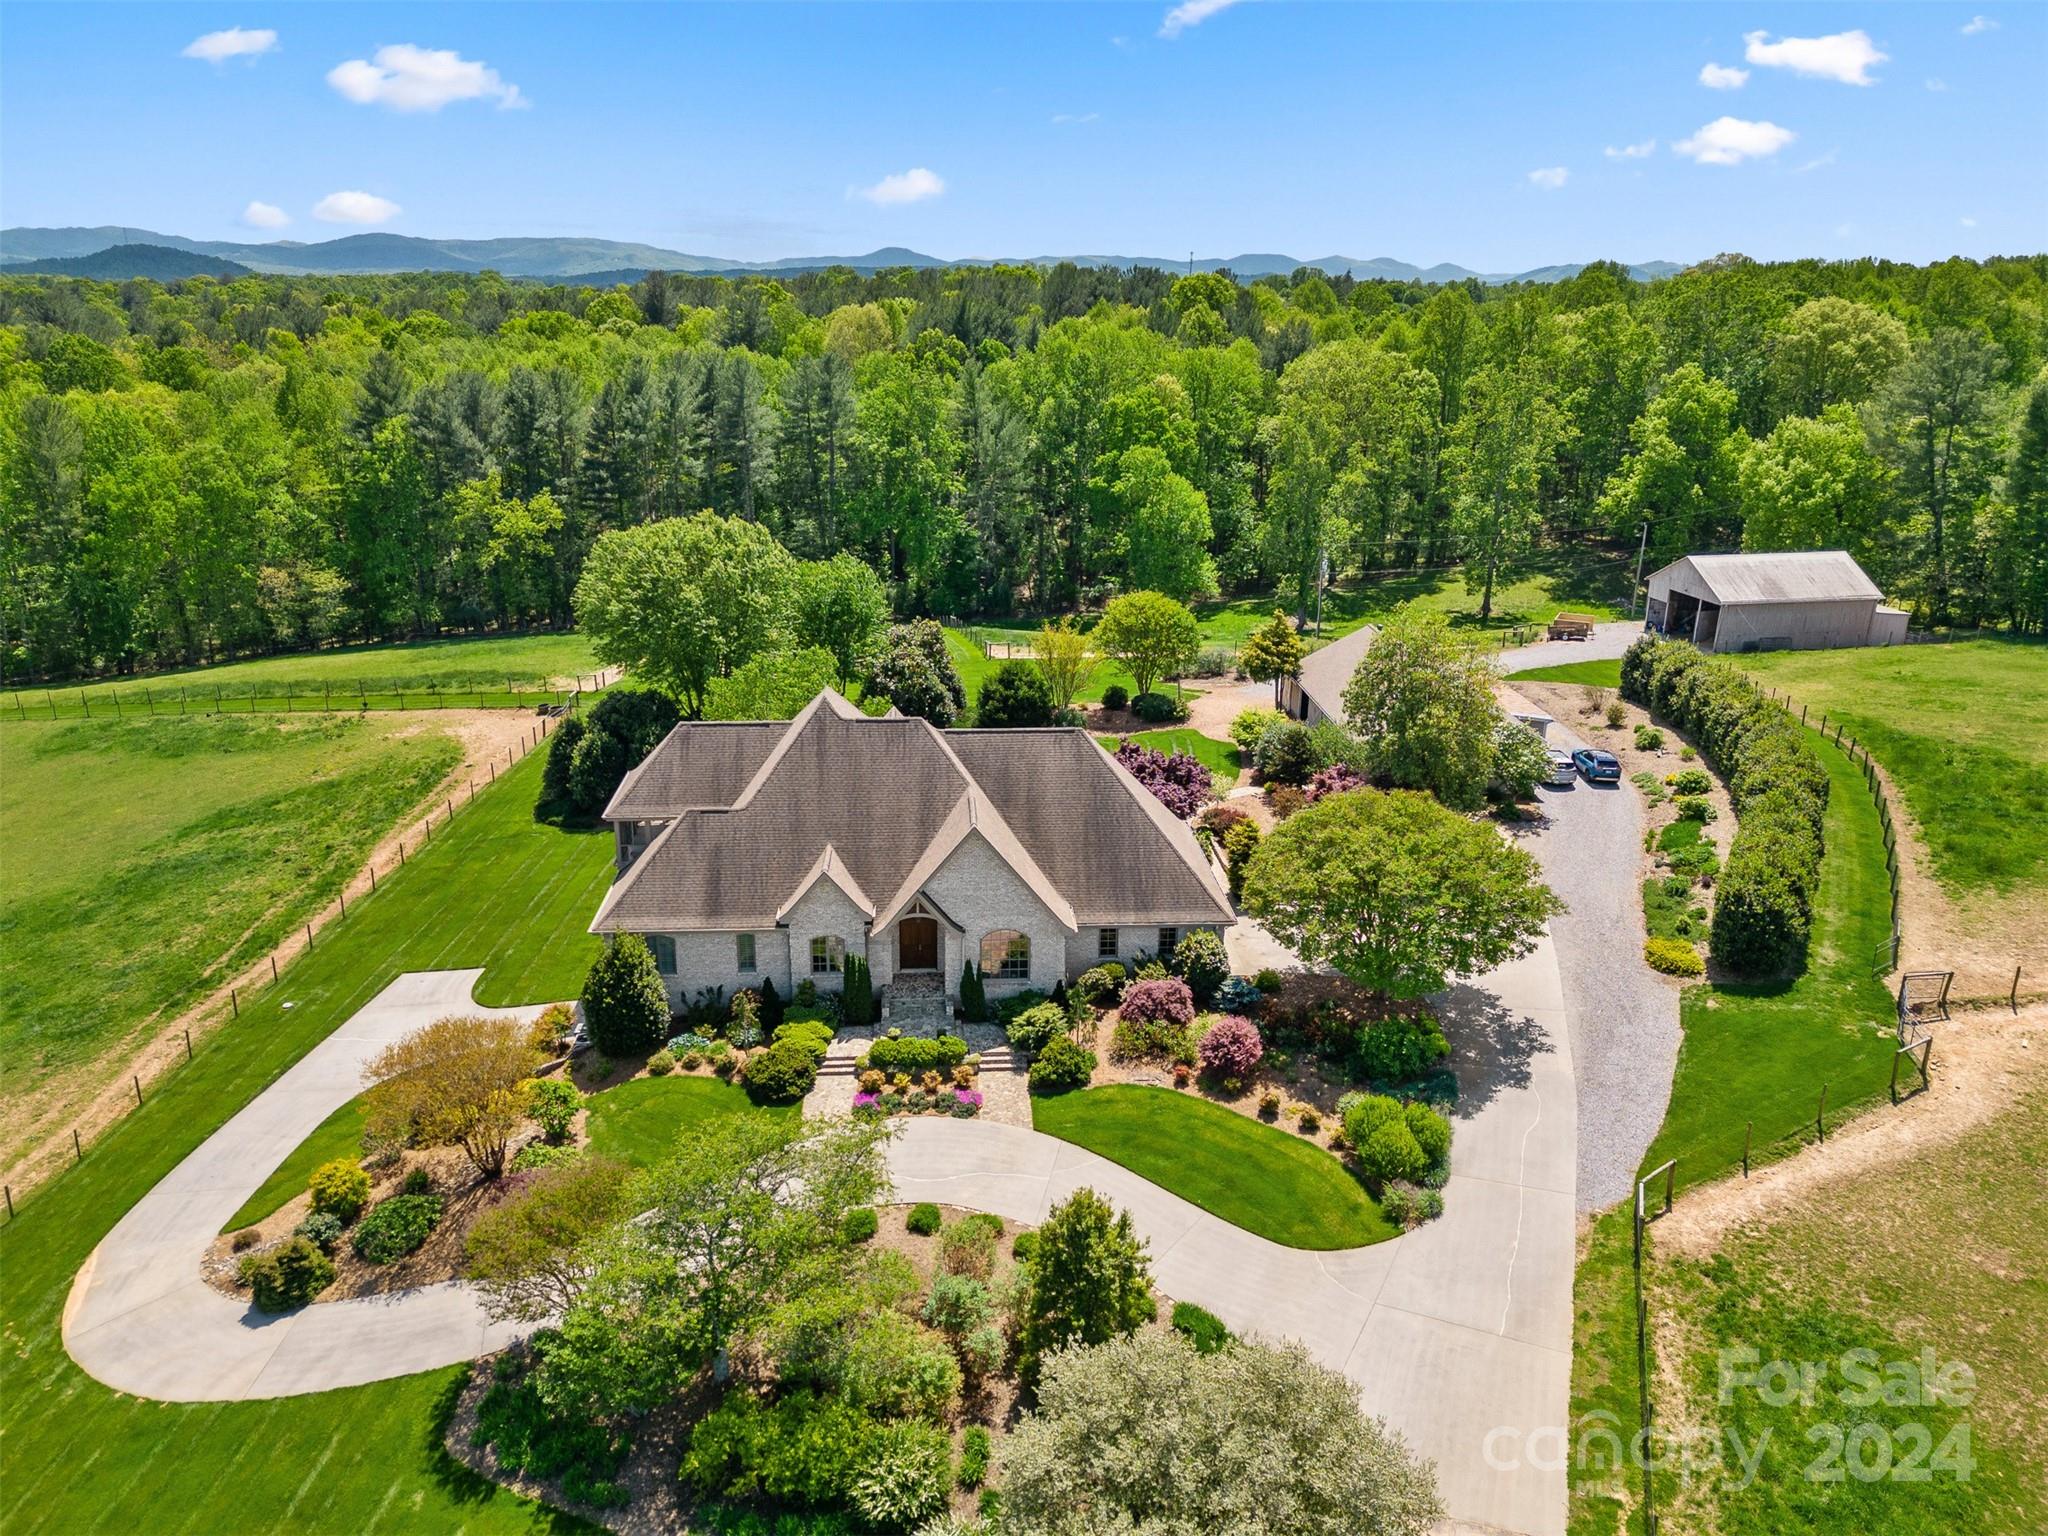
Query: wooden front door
point(917, 944)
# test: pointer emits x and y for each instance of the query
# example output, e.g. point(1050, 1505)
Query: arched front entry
point(917, 944)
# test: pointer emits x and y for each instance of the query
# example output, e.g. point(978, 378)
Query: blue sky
point(1488, 135)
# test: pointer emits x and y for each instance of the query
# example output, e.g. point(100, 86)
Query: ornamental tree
point(1396, 892)
point(917, 675)
point(1272, 653)
point(529, 1255)
point(1061, 652)
point(1148, 1434)
point(1089, 1280)
point(1151, 634)
point(1421, 705)
point(625, 1004)
point(454, 1082)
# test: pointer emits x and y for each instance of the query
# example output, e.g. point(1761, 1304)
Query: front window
point(1006, 955)
point(1168, 937)
point(664, 948)
point(828, 956)
point(745, 946)
point(1105, 943)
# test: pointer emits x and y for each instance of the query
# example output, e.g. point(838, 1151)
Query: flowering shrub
point(1232, 1047)
point(968, 1099)
point(1333, 780)
point(1178, 780)
point(866, 1099)
point(1158, 1002)
point(1221, 817)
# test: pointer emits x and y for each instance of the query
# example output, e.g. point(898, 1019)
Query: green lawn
point(1963, 730)
point(974, 667)
point(148, 860)
point(637, 1122)
point(1597, 674)
point(1221, 758)
point(339, 1135)
point(1253, 1175)
point(498, 669)
point(1760, 1051)
point(497, 890)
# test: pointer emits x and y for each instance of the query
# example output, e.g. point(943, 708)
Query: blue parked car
point(1597, 767)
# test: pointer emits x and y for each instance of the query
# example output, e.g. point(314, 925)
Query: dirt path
point(1983, 1061)
point(89, 1098)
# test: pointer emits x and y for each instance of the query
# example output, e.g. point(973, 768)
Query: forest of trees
point(206, 468)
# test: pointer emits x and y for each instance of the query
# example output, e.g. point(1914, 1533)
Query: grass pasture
point(150, 859)
point(1963, 731)
point(472, 673)
point(1253, 1175)
point(1760, 1052)
point(496, 889)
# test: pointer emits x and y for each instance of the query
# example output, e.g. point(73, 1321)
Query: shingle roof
point(886, 799)
point(1326, 671)
point(1786, 576)
point(699, 763)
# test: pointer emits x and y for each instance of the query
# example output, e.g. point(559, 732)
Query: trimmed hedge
point(1763, 904)
point(914, 1054)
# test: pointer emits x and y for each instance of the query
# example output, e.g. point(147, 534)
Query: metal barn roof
point(1788, 576)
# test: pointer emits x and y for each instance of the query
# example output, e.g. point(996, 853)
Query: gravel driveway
point(1623, 1016)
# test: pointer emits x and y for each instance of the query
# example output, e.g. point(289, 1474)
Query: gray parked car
point(1562, 771)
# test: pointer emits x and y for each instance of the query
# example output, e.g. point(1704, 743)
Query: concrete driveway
point(1458, 1334)
point(1608, 643)
point(140, 1319)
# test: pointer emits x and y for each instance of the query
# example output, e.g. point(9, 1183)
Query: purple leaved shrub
point(1177, 779)
point(1333, 780)
point(1232, 1047)
point(1158, 1002)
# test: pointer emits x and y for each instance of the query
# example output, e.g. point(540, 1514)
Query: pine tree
point(973, 999)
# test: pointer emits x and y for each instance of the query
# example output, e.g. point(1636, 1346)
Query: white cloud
point(1640, 151)
point(1731, 140)
point(1076, 117)
point(265, 216)
point(355, 208)
point(1191, 13)
point(1723, 77)
point(1978, 24)
point(407, 78)
point(911, 186)
point(1843, 56)
point(1936, 83)
point(1967, 222)
point(1550, 177)
point(234, 43)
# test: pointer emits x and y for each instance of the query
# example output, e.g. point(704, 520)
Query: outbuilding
point(1814, 599)
point(1316, 693)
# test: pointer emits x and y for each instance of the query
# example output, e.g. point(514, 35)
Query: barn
point(1785, 600)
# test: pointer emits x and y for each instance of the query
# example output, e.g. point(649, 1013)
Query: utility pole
point(1641, 548)
point(1322, 580)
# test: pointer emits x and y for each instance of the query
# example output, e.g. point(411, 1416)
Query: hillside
point(161, 263)
point(607, 261)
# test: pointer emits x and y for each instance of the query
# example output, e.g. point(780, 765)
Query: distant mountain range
point(110, 248)
point(118, 263)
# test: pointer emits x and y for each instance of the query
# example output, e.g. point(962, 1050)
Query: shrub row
point(914, 1054)
point(1763, 907)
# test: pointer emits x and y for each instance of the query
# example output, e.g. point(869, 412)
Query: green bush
point(625, 1005)
point(289, 1275)
point(975, 1446)
point(1287, 754)
point(396, 1227)
point(1674, 957)
point(551, 1104)
point(1432, 1131)
point(1691, 781)
point(340, 1189)
point(924, 1219)
point(1251, 725)
point(1408, 1206)
point(1694, 808)
point(554, 773)
point(1017, 694)
point(320, 1228)
point(973, 996)
point(813, 1035)
point(1159, 708)
point(1036, 1027)
point(1060, 1066)
point(1616, 715)
point(895, 1369)
point(805, 1449)
point(417, 1181)
point(1101, 985)
point(1204, 1329)
point(1116, 696)
point(1649, 739)
point(782, 1073)
point(1023, 1245)
point(1198, 960)
point(857, 993)
point(661, 1063)
point(1393, 1050)
point(957, 1305)
point(907, 1476)
point(859, 1224)
point(538, 1154)
point(1391, 1152)
point(914, 1054)
point(530, 1437)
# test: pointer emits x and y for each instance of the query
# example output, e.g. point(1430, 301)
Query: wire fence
point(355, 696)
point(270, 971)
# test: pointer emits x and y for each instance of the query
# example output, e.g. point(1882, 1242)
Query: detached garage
point(1798, 600)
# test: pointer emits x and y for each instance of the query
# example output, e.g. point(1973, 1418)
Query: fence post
point(188, 1045)
point(10, 1202)
point(76, 1150)
point(309, 935)
point(1748, 1131)
point(234, 1002)
point(137, 1081)
point(2013, 999)
point(273, 969)
point(1820, 1120)
point(373, 878)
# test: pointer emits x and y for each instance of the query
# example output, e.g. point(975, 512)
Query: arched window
point(1006, 955)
